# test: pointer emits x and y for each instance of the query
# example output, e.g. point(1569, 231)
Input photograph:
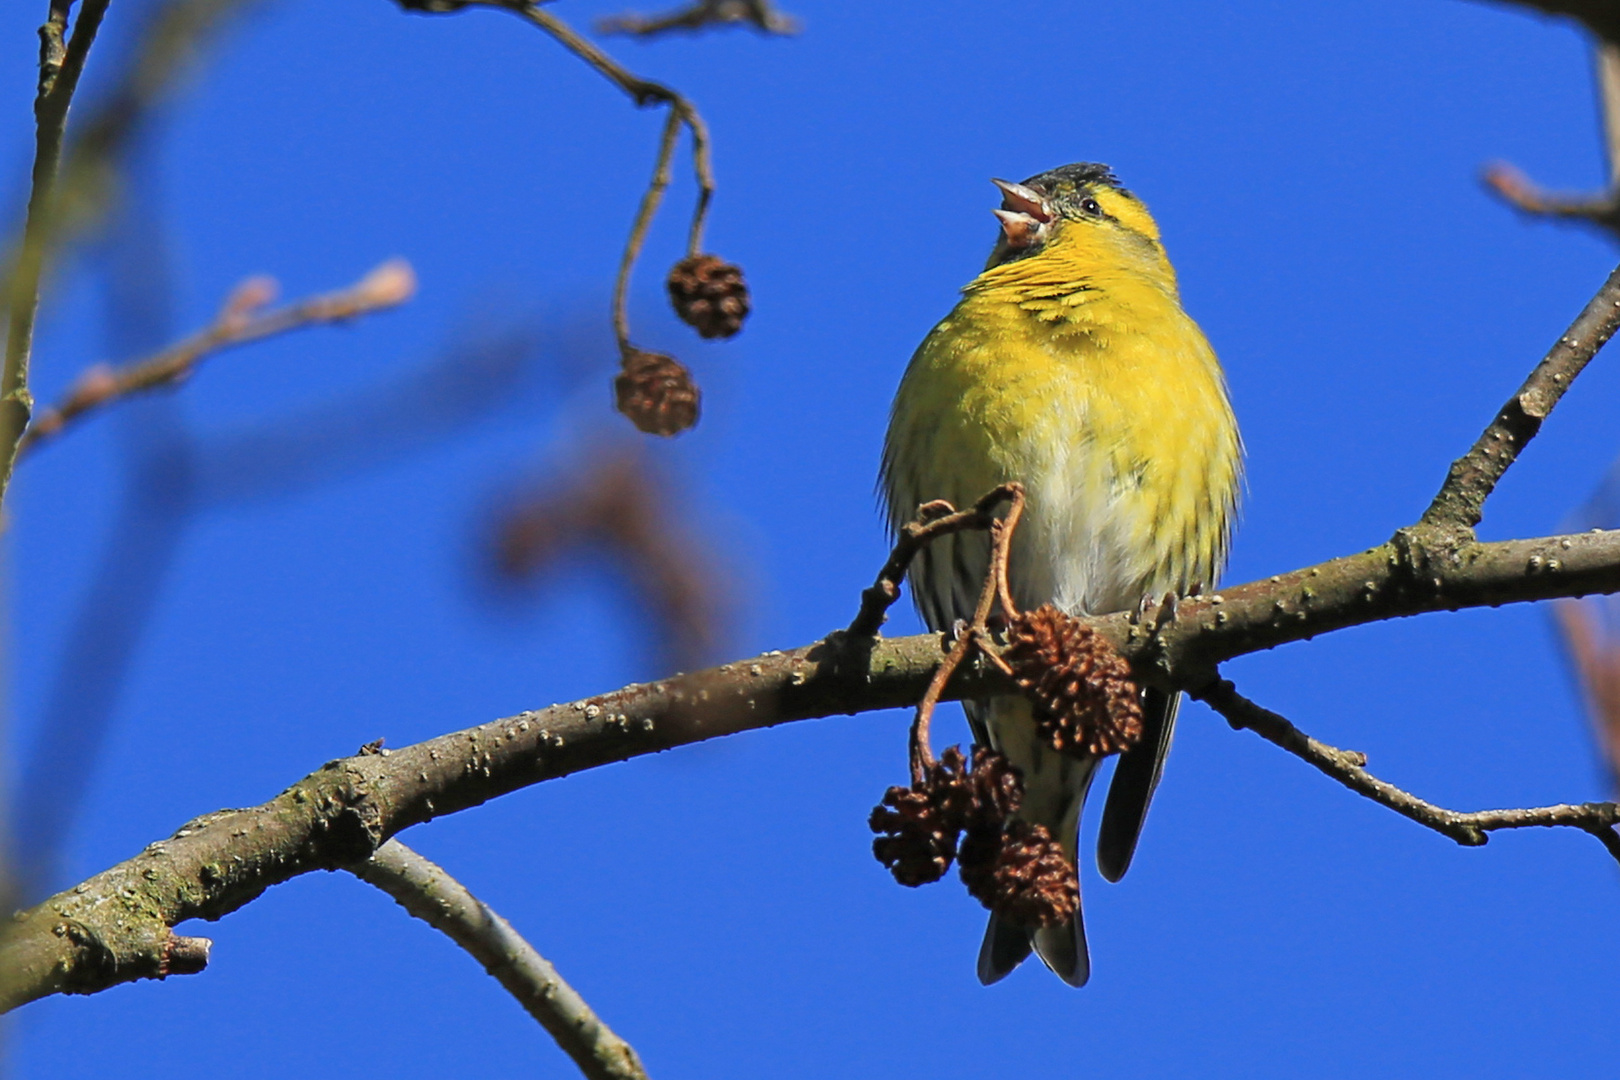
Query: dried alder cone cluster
point(966, 814)
point(656, 391)
point(1084, 704)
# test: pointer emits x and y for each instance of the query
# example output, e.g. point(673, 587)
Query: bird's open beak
point(1025, 215)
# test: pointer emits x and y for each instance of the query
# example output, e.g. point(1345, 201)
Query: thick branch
point(426, 891)
point(1461, 499)
point(112, 928)
point(1348, 768)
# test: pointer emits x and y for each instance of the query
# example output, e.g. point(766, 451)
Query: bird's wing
point(1135, 778)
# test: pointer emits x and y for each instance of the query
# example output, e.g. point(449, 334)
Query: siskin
point(1070, 366)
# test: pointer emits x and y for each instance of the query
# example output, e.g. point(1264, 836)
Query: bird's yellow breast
point(1077, 373)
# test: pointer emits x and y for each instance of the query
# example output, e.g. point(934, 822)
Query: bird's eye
point(1090, 206)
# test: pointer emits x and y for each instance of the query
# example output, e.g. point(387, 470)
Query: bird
point(1070, 366)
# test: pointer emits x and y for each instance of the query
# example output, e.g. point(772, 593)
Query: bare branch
point(934, 520)
point(1523, 194)
point(111, 928)
point(60, 68)
point(638, 230)
point(1348, 768)
point(426, 891)
point(240, 320)
point(1601, 211)
point(1461, 499)
point(1601, 17)
point(762, 15)
point(643, 92)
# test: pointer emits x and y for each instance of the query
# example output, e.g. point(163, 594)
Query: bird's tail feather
point(1054, 791)
point(1135, 778)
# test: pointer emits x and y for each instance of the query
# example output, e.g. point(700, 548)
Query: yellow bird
point(1070, 366)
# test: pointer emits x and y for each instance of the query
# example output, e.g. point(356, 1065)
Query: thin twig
point(428, 892)
point(1525, 195)
point(60, 69)
point(1348, 767)
point(974, 634)
point(934, 520)
point(638, 230)
point(762, 15)
point(240, 320)
point(1601, 210)
point(643, 92)
point(1460, 501)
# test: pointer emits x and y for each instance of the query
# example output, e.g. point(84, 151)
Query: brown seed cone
point(996, 790)
point(656, 392)
point(915, 841)
point(709, 295)
point(1021, 874)
point(1085, 701)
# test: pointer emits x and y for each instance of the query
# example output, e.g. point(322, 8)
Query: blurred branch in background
point(621, 511)
point(60, 66)
point(1601, 17)
point(173, 476)
point(426, 891)
point(72, 187)
point(1590, 630)
point(241, 320)
point(1601, 210)
point(761, 15)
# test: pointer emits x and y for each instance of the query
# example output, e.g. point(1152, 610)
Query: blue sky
point(1313, 168)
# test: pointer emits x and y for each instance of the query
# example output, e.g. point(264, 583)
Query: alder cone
point(915, 840)
point(1031, 881)
point(918, 827)
point(657, 393)
point(709, 295)
point(1085, 701)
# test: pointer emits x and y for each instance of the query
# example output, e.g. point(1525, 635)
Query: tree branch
point(426, 891)
point(1601, 17)
point(241, 320)
point(762, 15)
point(643, 92)
point(60, 68)
point(116, 927)
point(1601, 210)
point(1348, 768)
point(112, 928)
point(1461, 499)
